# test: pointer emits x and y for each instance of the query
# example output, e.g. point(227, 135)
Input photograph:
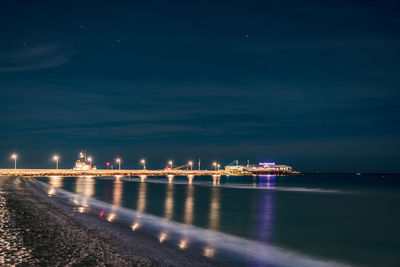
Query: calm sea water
point(266, 220)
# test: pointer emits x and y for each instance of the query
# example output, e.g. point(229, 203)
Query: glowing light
point(56, 158)
point(56, 181)
point(267, 164)
point(209, 252)
point(170, 178)
point(14, 157)
point(143, 161)
point(183, 244)
point(190, 178)
point(51, 191)
point(135, 226)
point(216, 179)
point(143, 178)
point(81, 209)
point(118, 160)
point(215, 165)
point(111, 217)
point(101, 214)
point(191, 165)
point(162, 237)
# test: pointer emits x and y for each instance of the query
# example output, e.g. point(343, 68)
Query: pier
point(69, 172)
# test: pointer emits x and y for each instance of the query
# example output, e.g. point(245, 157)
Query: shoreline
point(46, 231)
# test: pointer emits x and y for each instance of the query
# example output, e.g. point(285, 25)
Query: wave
point(247, 186)
point(213, 242)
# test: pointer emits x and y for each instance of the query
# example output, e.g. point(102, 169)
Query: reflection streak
point(189, 204)
point(142, 195)
point(214, 208)
point(117, 192)
point(169, 202)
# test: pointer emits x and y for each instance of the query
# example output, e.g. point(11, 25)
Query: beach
point(38, 230)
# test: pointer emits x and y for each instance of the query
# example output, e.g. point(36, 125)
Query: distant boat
point(82, 164)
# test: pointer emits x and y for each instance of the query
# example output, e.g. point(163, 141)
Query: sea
point(296, 220)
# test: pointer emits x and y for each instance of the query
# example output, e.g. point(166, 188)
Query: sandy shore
point(37, 230)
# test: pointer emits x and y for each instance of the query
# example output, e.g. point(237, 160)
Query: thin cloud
point(34, 58)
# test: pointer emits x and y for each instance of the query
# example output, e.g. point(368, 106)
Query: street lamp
point(14, 156)
point(56, 158)
point(191, 165)
point(218, 166)
point(215, 165)
point(118, 160)
point(170, 163)
point(144, 163)
point(90, 159)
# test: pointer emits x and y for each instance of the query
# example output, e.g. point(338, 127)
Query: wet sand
point(38, 230)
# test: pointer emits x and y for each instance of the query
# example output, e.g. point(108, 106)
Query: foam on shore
point(210, 242)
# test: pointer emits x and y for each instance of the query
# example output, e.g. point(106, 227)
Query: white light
point(162, 237)
point(183, 244)
point(111, 217)
point(135, 226)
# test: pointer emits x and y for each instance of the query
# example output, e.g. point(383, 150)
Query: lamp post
point(118, 160)
point(144, 163)
point(170, 163)
point(90, 159)
point(14, 156)
point(218, 166)
point(191, 165)
point(215, 165)
point(56, 158)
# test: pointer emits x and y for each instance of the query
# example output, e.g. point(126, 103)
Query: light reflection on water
point(141, 197)
point(189, 204)
point(117, 192)
point(55, 182)
point(169, 202)
point(215, 204)
point(214, 215)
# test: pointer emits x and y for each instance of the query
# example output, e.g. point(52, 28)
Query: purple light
point(266, 164)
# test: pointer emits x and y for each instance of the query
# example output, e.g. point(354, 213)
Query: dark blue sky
point(313, 84)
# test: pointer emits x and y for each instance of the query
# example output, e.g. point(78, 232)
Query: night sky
point(313, 84)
